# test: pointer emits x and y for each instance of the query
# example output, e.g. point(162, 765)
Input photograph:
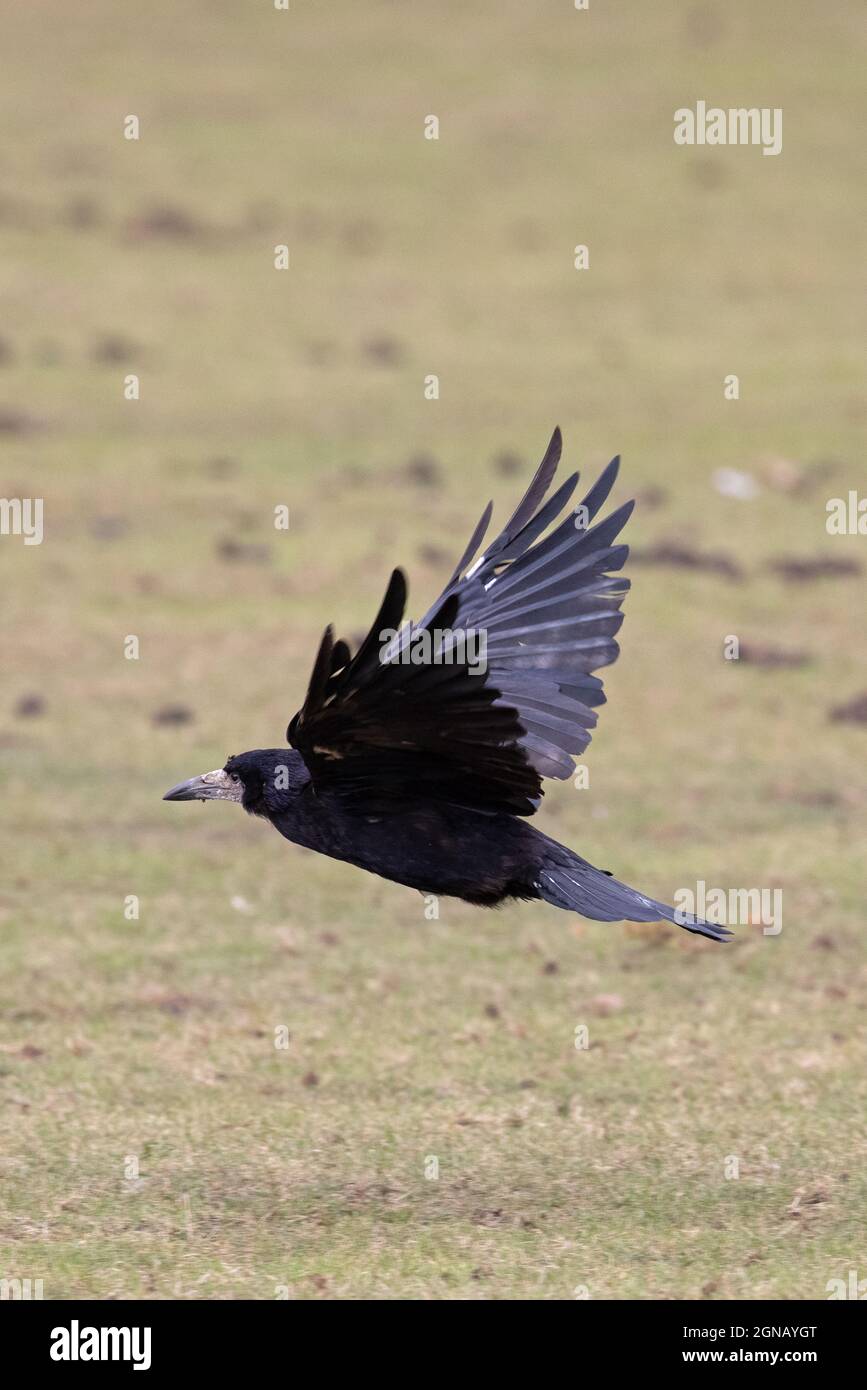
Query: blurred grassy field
point(153, 1040)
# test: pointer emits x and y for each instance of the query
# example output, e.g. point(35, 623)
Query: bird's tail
point(568, 881)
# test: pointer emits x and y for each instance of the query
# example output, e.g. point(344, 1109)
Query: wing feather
point(545, 594)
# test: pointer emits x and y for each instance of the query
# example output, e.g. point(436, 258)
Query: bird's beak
point(211, 786)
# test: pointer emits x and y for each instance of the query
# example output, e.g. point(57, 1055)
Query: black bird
point(420, 757)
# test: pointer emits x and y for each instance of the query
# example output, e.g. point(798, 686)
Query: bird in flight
point(421, 757)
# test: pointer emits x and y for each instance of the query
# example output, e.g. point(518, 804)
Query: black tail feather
point(577, 886)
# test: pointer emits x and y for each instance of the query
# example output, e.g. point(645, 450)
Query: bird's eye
point(233, 777)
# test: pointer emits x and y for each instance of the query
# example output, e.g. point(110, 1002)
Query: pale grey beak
point(211, 786)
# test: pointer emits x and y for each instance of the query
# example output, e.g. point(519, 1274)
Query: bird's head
point(264, 781)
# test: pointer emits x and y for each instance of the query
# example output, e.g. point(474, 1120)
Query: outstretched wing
point(538, 617)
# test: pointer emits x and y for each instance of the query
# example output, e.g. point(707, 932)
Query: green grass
point(304, 1168)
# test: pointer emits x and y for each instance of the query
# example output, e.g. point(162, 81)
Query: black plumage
point(421, 763)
